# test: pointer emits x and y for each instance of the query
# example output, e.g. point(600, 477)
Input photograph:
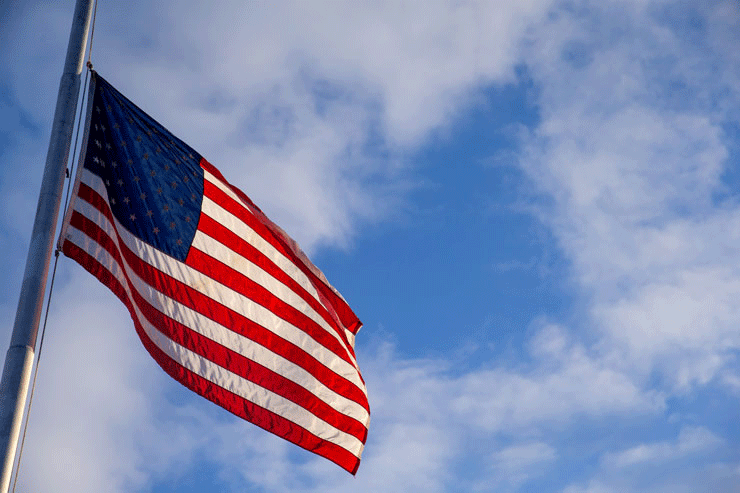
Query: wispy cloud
point(689, 441)
point(632, 158)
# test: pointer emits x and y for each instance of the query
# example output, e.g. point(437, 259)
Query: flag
point(223, 300)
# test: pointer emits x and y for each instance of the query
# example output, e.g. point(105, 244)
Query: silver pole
point(20, 356)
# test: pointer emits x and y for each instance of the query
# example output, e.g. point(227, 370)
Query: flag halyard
point(221, 297)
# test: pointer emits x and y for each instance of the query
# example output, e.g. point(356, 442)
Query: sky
point(532, 206)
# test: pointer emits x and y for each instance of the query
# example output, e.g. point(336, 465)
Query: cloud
point(564, 375)
point(630, 160)
point(690, 440)
point(329, 105)
point(429, 421)
point(686, 462)
point(117, 425)
point(331, 121)
point(516, 464)
point(102, 416)
point(633, 176)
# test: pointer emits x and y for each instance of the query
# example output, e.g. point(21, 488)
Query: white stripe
point(95, 182)
point(243, 265)
point(244, 231)
point(223, 253)
point(248, 390)
point(219, 292)
point(234, 300)
point(211, 178)
point(226, 188)
point(264, 246)
point(241, 229)
point(248, 348)
point(225, 296)
point(211, 371)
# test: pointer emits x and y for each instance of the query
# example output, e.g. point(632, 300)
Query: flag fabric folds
point(222, 298)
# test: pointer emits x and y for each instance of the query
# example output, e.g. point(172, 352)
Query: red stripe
point(252, 290)
point(223, 315)
point(215, 311)
point(235, 404)
point(221, 355)
point(289, 248)
point(231, 240)
point(245, 286)
point(92, 197)
point(237, 209)
point(90, 264)
point(248, 369)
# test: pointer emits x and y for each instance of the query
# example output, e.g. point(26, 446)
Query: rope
point(36, 371)
point(92, 34)
point(57, 251)
point(69, 172)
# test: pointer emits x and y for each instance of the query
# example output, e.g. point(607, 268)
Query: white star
point(97, 143)
point(96, 160)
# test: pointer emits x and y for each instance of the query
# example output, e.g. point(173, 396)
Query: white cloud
point(631, 169)
point(687, 462)
point(244, 94)
point(516, 464)
point(690, 440)
point(429, 420)
point(328, 104)
point(633, 175)
point(95, 406)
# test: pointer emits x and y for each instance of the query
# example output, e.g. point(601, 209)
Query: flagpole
point(20, 356)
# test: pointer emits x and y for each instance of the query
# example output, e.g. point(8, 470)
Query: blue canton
point(154, 180)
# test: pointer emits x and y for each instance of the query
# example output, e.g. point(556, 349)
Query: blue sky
point(532, 207)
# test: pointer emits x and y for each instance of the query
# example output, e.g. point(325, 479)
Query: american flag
point(223, 300)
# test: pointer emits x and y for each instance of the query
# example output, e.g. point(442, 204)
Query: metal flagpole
point(20, 356)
